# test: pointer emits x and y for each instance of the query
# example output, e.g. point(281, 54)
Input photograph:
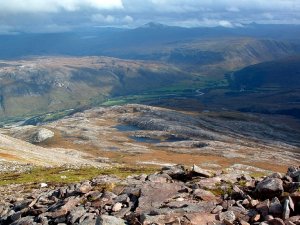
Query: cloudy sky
point(63, 15)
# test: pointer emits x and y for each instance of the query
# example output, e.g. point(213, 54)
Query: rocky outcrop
point(32, 134)
point(171, 196)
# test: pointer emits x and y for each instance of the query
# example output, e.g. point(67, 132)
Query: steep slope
point(41, 85)
point(283, 73)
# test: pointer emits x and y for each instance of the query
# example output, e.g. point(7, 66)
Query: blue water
point(124, 128)
point(145, 140)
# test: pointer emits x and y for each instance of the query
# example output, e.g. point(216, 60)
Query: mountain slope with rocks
point(173, 196)
point(138, 134)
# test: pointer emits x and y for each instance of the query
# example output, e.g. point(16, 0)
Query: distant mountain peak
point(153, 25)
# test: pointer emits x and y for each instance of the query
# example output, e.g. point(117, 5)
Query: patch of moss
point(258, 174)
point(220, 191)
point(61, 175)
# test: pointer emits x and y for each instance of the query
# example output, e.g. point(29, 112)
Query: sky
point(35, 16)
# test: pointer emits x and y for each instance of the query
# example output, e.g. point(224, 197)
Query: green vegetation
point(63, 175)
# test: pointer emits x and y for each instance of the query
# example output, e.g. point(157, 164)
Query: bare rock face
point(269, 188)
point(41, 135)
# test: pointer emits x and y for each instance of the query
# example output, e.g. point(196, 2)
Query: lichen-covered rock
point(269, 188)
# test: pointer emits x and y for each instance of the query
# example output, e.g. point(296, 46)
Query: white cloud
point(233, 9)
point(225, 23)
point(128, 19)
point(38, 6)
point(99, 18)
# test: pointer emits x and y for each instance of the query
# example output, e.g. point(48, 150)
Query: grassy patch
point(62, 175)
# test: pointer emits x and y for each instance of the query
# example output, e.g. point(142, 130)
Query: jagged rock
point(269, 188)
point(200, 172)
point(227, 216)
point(110, 220)
point(286, 209)
point(176, 172)
point(275, 207)
point(238, 193)
point(75, 214)
point(291, 203)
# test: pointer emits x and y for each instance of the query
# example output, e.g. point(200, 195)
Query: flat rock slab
point(154, 194)
point(110, 220)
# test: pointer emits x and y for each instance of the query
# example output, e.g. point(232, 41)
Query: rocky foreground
point(175, 195)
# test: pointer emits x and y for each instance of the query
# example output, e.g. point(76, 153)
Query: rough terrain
point(138, 134)
point(173, 196)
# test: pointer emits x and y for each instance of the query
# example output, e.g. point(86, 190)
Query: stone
point(269, 217)
point(217, 209)
point(291, 203)
point(198, 219)
point(255, 218)
point(16, 216)
point(254, 203)
point(240, 213)
point(238, 193)
point(43, 185)
point(154, 194)
point(84, 188)
point(276, 221)
point(294, 219)
point(117, 207)
point(286, 209)
point(276, 175)
point(229, 216)
point(109, 220)
point(123, 198)
point(159, 178)
point(243, 222)
point(275, 207)
point(75, 214)
point(263, 207)
point(28, 220)
point(172, 218)
point(269, 188)
point(201, 172)
point(176, 172)
point(204, 195)
point(209, 183)
point(67, 207)
point(41, 135)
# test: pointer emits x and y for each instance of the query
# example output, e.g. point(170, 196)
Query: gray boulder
point(110, 220)
point(269, 188)
point(41, 135)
